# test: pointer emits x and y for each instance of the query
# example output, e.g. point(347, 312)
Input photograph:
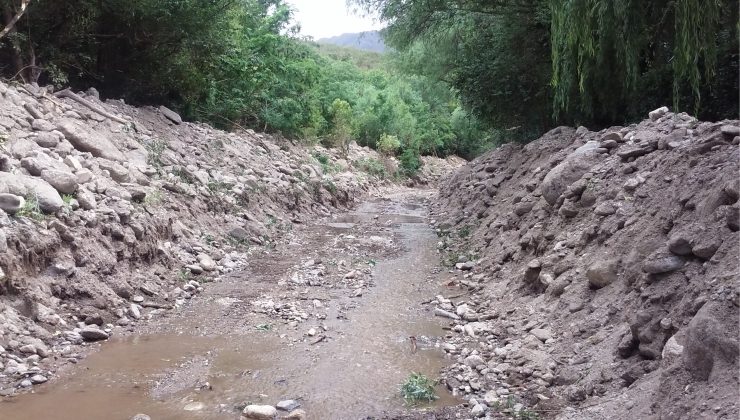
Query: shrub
point(388, 145)
point(418, 388)
point(373, 167)
point(410, 162)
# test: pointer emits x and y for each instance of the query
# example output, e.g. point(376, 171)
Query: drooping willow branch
point(9, 27)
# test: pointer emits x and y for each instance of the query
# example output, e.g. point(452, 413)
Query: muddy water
point(356, 372)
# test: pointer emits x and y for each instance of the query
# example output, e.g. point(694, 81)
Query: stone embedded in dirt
point(48, 198)
point(662, 263)
point(671, 349)
point(532, 273)
point(135, 311)
point(466, 266)
point(602, 273)
point(445, 314)
point(542, 334)
point(730, 130)
point(474, 360)
point(605, 209)
point(38, 379)
point(194, 406)
point(260, 412)
point(170, 114)
point(64, 182)
point(11, 203)
point(632, 183)
point(706, 247)
point(87, 140)
point(140, 417)
point(680, 244)
point(479, 410)
point(206, 262)
point(91, 333)
point(42, 125)
point(351, 275)
point(195, 269)
point(296, 415)
point(566, 173)
point(47, 140)
point(288, 405)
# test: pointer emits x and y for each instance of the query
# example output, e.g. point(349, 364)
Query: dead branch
point(67, 93)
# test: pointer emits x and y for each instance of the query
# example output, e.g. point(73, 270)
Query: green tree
point(341, 125)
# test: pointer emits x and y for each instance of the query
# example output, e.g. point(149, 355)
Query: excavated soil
point(604, 273)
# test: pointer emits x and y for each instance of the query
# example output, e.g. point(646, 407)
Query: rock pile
point(604, 281)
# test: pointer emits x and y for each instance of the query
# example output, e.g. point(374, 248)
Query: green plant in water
point(418, 388)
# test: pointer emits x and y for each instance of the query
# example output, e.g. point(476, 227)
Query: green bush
point(388, 145)
point(410, 162)
point(373, 167)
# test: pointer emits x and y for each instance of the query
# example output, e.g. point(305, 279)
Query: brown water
point(355, 373)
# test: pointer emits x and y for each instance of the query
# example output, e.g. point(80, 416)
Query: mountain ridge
point(366, 41)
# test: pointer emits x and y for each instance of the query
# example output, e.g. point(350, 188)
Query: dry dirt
point(607, 263)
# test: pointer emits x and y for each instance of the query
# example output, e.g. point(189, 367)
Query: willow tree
point(609, 56)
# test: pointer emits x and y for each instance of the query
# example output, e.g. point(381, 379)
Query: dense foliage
point(526, 65)
point(235, 63)
point(467, 73)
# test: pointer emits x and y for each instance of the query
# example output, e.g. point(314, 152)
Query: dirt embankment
point(110, 214)
point(604, 271)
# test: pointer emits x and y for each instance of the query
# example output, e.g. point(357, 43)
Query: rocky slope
point(603, 268)
point(110, 214)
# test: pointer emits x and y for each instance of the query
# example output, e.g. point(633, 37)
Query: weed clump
point(418, 388)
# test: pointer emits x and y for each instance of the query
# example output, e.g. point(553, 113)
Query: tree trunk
point(15, 49)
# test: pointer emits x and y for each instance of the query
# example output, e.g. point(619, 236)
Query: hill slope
point(367, 41)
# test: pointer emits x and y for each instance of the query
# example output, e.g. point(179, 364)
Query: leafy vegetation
point(373, 167)
point(31, 208)
point(418, 388)
point(235, 64)
point(464, 75)
point(525, 66)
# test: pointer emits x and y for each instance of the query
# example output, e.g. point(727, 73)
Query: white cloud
point(325, 18)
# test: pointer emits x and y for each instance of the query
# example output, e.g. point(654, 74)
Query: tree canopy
point(526, 65)
point(464, 74)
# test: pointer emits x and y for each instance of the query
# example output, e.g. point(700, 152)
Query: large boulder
point(63, 181)
point(48, 198)
point(602, 273)
point(86, 140)
point(569, 171)
point(39, 162)
point(711, 342)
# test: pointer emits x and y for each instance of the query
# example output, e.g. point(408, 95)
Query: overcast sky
point(325, 18)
